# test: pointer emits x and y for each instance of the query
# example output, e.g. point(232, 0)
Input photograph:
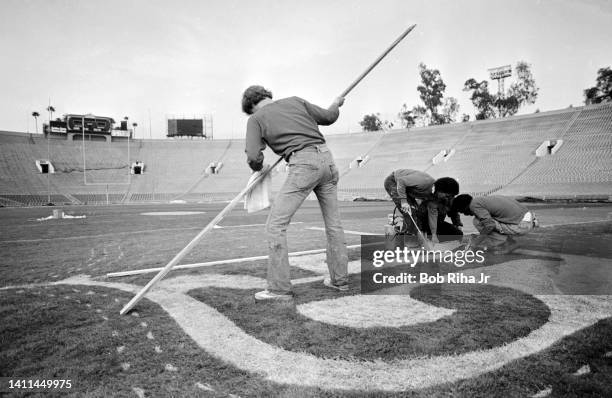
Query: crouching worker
point(428, 201)
point(497, 219)
point(289, 127)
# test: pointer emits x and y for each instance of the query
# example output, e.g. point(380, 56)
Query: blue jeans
point(311, 169)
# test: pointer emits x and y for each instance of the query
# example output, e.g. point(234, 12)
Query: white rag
point(258, 198)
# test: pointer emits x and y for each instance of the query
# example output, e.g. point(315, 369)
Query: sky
point(154, 59)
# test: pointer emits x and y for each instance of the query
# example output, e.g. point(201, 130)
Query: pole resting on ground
point(195, 240)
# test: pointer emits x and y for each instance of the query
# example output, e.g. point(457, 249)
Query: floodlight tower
point(499, 74)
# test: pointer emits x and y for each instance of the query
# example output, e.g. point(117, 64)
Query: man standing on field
point(289, 127)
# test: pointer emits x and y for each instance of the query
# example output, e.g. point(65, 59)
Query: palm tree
point(134, 125)
point(50, 109)
point(36, 115)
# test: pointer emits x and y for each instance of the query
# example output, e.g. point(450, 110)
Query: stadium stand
point(487, 156)
point(581, 168)
point(398, 149)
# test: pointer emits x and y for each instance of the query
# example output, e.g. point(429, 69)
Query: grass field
point(543, 329)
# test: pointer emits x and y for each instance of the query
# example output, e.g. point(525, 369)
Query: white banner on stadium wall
point(120, 133)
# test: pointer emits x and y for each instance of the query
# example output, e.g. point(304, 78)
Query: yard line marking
point(99, 235)
point(250, 225)
point(217, 262)
point(124, 233)
point(346, 231)
point(573, 223)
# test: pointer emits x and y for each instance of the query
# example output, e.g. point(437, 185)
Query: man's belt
point(312, 147)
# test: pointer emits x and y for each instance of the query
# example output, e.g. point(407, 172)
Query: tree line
point(436, 109)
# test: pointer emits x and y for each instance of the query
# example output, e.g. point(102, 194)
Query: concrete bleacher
point(348, 147)
point(488, 156)
point(407, 149)
point(582, 165)
point(495, 152)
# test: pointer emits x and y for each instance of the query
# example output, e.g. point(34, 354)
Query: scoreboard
point(185, 127)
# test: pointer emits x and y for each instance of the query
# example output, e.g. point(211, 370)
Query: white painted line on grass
point(99, 235)
point(573, 223)
point(203, 323)
point(172, 213)
point(250, 225)
point(346, 231)
point(126, 233)
point(218, 262)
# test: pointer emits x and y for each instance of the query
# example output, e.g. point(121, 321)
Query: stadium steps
point(73, 199)
point(7, 202)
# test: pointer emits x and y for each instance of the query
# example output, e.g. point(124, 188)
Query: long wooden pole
point(384, 54)
point(195, 241)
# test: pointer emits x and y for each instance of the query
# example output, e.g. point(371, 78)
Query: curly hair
point(447, 185)
point(252, 96)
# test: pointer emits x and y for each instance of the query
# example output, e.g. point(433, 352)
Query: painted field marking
point(346, 231)
point(249, 225)
point(172, 213)
point(99, 235)
point(574, 223)
point(217, 262)
point(203, 323)
point(123, 233)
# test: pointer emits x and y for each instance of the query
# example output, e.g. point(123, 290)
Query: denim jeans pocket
point(303, 176)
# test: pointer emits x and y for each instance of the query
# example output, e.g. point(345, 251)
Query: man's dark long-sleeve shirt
point(286, 126)
point(499, 208)
point(419, 185)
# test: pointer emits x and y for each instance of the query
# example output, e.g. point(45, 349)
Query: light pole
point(50, 109)
point(83, 146)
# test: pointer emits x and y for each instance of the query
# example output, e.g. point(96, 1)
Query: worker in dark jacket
point(428, 201)
point(497, 218)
